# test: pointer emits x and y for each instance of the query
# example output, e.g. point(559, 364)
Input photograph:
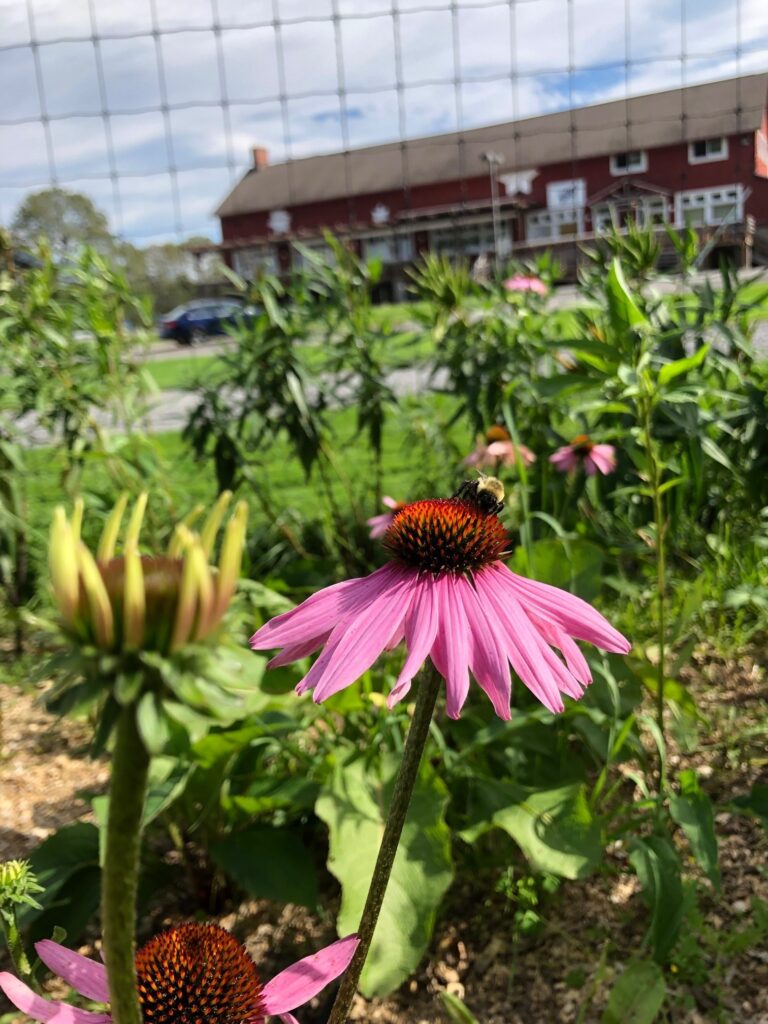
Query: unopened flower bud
point(106, 549)
point(62, 559)
point(212, 524)
point(134, 600)
point(18, 885)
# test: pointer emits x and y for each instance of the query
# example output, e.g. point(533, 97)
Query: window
point(389, 248)
point(548, 224)
point(710, 206)
point(635, 161)
point(467, 239)
point(704, 150)
point(248, 262)
point(644, 210)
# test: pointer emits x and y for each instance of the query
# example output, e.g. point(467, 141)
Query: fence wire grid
point(151, 107)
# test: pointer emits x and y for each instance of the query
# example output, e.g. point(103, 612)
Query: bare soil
point(592, 928)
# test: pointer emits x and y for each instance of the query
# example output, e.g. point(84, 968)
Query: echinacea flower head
point(497, 450)
point(381, 523)
point(193, 973)
point(521, 283)
point(447, 595)
point(151, 602)
point(584, 453)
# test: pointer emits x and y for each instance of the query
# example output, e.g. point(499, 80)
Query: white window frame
point(640, 168)
point(553, 220)
point(706, 199)
point(708, 158)
point(391, 248)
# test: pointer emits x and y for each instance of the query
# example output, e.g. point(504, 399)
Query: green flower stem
point(130, 767)
point(661, 569)
point(426, 696)
point(19, 958)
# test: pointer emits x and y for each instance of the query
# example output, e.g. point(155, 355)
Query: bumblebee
point(486, 494)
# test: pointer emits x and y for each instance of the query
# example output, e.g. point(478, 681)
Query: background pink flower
point(381, 523)
point(213, 972)
point(594, 458)
point(497, 449)
point(521, 283)
point(447, 596)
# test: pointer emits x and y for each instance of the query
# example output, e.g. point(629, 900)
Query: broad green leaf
point(353, 807)
point(555, 830)
point(658, 868)
point(269, 863)
point(637, 996)
point(692, 810)
point(669, 371)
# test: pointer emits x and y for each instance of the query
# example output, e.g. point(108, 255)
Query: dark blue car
point(193, 322)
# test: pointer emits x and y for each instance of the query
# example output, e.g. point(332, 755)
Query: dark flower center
point(496, 433)
point(582, 445)
point(198, 974)
point(445, 535)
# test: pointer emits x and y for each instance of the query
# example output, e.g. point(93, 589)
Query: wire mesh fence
point(151, 107)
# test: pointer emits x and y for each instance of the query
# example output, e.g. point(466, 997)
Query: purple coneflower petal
point(295, 652)
point(320, 612)
point(577, 618)
point(450, 651)
point(358, 640)
point(85, 976)
point(44, 1010)
point(603, 458)
point(420, 631)
point(488, 659)
point(302, 981)
point(574, 659)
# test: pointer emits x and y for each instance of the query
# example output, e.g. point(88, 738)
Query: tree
point(67, 219)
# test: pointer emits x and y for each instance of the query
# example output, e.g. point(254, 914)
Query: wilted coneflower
point(584, 453)
point(381, 523)
point(497, 449)
point(193, 973)
point(447, 594)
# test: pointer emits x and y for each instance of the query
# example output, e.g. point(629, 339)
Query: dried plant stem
point(426, 696)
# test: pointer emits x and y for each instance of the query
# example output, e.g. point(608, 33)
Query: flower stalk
point(428, 689)
point(130, 769)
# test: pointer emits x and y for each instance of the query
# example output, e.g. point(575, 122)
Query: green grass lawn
point(183, 372)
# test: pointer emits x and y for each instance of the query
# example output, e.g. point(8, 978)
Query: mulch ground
point(591, 928)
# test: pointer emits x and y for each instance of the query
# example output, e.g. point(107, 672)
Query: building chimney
point(260, 158)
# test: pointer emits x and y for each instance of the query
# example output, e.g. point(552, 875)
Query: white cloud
point(523, 47)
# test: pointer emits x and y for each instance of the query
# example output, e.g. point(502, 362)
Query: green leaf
point(714, 451)
point(555, 830)
point(354, 807)
point(755, 803)
point(669, 371)
point(658, 868)
point(456, 1010)
point(622, 308)
point(152, 721)
point(269, 863)
point(637, 996)
point(572, 564)
point(692, 810)
point(67, 866)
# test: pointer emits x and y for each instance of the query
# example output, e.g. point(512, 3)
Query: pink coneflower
point(595, 458)
point(196, 972)
point(380, 524)
point(497, 449)
point(447, 594)
point(521, 283)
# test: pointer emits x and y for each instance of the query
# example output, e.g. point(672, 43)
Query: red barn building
point(696, 155)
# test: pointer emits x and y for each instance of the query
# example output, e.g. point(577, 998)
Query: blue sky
point(512, 60)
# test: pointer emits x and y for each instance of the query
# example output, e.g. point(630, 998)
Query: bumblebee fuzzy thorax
point(486, 494)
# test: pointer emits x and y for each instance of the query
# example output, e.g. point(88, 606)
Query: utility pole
point(494, 161)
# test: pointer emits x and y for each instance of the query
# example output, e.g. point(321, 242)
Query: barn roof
point(640, 122)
